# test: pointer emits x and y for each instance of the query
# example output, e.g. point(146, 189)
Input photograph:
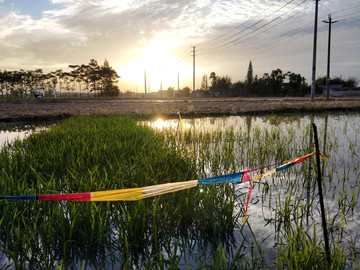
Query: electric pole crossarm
point(328, 58)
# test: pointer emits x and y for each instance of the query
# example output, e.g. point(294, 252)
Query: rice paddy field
point(197, 228)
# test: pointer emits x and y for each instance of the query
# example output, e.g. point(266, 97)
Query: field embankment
point(47, 109)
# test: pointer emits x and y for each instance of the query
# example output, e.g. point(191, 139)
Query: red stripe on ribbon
point(246, 178)
point(65, 197)
point(300, 160)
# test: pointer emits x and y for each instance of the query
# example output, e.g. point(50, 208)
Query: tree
point(170, 91)
point(250, 74)
point(213, 78)
point(108, 78)
point(98, 79)
point(222, 83)
point(185, 92)
point(2, 81)
point(240, 88)
point(256, 85)
point(93, 75)
point(75, 76)
point(60, 76)
point(204, 83)
point(263, 85)
point(296, 85)
point(351, 82)
point(276, 82)
point(249, 79)
point(85, 77)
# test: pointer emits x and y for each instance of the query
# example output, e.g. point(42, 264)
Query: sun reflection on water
point(161, 124)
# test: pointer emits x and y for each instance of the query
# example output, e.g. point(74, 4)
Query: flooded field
point(290, 199)
point(202, 227)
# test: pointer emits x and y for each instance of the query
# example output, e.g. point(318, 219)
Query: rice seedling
point(89, 154)
point(295, 190)
point(197, 228)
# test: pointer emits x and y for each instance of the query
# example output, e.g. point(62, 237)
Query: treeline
point(276, 83)
point(99, 79)
point(349, 83)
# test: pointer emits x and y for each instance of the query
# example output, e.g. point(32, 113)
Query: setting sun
point(161, 67)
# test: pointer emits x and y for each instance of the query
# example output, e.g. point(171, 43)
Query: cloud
point(75, 31)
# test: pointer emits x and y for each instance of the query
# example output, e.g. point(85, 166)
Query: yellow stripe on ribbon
point(130, 194)
point(133, 194)
point(306, 156)
point(167, 188)
point(182, 125)
point(264, 174)
point(323, 157)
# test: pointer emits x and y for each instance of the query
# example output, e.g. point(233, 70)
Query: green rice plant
point(254, 147)
point(87, 154)
point(173, 230)
point(299, 251)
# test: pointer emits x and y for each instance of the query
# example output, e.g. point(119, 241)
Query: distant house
point(337, 90)
point(223, 93)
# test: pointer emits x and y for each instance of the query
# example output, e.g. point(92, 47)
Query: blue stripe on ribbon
point(285, 166)
point(23, 197)
point(229, 178)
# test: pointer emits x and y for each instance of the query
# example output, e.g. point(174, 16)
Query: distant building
point(223, 93)
point(337, 90)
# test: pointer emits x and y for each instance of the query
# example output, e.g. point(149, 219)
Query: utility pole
point(178, 82)
point(161, 82)
point(145, 81)
point(314, 53)
point(328, 58)
point(194, 71)
point(161, 89)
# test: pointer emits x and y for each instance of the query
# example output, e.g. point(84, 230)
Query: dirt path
point(15, 110)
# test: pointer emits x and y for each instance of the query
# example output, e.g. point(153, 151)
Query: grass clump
point(86, 154)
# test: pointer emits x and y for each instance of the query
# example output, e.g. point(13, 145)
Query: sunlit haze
point(158, 65)
point(158, 37)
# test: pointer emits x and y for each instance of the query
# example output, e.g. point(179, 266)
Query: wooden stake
point(323, 219)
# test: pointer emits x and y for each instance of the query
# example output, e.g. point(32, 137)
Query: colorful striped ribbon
point(133, 194)
point(181, 123)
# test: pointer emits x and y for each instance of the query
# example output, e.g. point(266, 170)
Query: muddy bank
point(52, 109)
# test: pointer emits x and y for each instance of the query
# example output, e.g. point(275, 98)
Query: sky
point(158, 38)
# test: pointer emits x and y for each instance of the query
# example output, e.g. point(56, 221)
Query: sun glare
point(162, 69)
point(159, 124)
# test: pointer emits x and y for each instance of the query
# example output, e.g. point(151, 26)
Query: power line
point(209, 43)
point(277, 23)
point(284, 37)
point(254, 24)
point(273, 44)
point(350, 8)
point(184, 57)
point(223, 42)
point(275, 41)
point(237, 40)
point(346, 15)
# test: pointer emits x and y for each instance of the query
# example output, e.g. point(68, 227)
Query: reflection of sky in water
point(9, 136)
point(339, 135)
